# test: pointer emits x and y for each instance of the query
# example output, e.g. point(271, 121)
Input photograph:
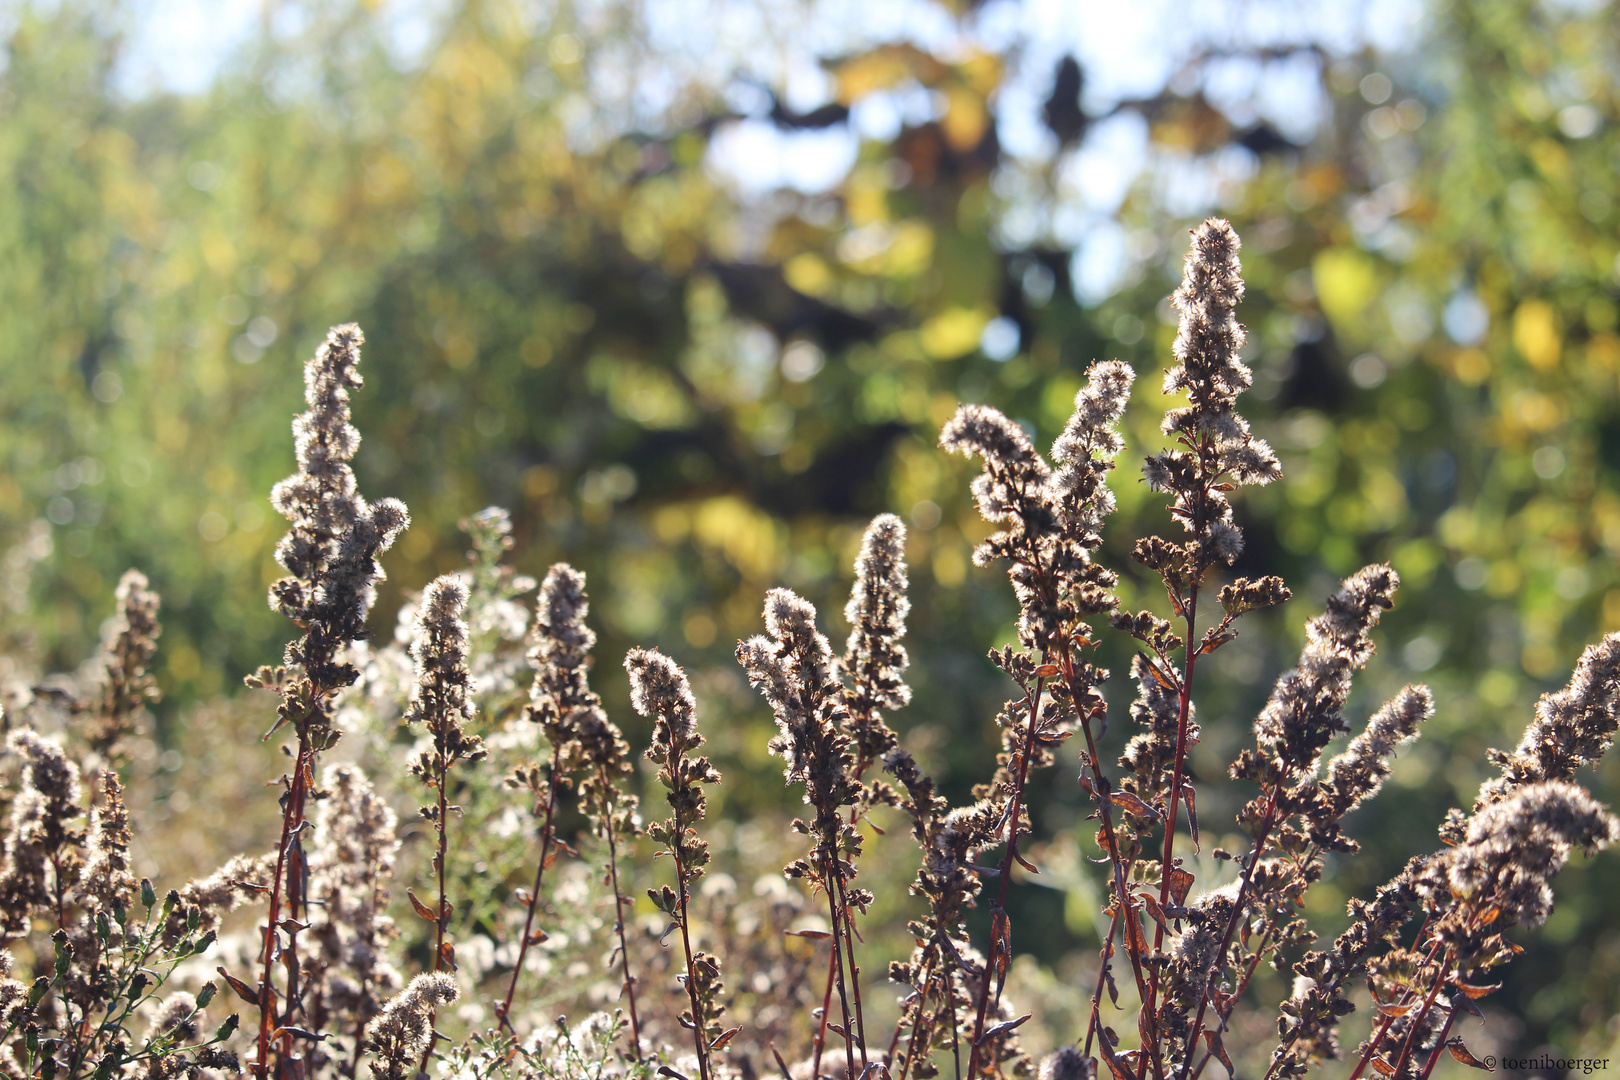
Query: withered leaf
point(242, 989)
point(1460, 1052)
point(1181, 883)
point(1001, 1028)
point(1476, 992)
point(1213, 1040)
point(1191, 796)
point(421, 909)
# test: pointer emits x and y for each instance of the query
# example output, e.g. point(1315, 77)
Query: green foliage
point(692, 397)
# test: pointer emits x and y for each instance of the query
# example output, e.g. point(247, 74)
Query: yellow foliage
point(965, 118)
point(953, 332)
point(1346, 281)
point(745, 535)
point(809, 273)
point(1536, 334)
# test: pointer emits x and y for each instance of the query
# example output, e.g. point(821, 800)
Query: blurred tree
point(695, 392)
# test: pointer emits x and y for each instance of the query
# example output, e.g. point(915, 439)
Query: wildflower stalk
point(618, 921)
point(1052, 521)
point(330, 554)
point(1001, 930)
point(503, 1010)
point(792, 665)
point(659, 691)
point(442, 701)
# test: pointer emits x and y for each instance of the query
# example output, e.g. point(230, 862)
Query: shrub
point(103, 978)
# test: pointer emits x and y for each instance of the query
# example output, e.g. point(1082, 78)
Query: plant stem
point(618, 925)
point(699, 1038)
point(854, 971)
point(438, 861)
point(820, 1040)
point(1014, 814)
point(916, 1026)
point(828, 861)
point(1102, 975)
point(292, 822)
point(505, 1007)
point(1231, 926)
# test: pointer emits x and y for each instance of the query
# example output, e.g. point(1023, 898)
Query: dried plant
point(330, 554)
point(659, 691)
point(100, 979)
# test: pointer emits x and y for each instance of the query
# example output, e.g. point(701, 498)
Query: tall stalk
point(330, 554)
point(659, 691)
point(442, 701)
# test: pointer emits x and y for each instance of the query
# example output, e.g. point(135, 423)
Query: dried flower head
point(106, 881)
point(874, 661)
point(178, 1017)
point(1513, 846)
point(1356, 774)
point(559, 648)
point(331, 550)
point(43, 850)
point(1067, 1063)
point(403, 1031)
point(441, 698)
point(127, 655)
point(1304, 710)
point(1573, 727)
point(1215, 442)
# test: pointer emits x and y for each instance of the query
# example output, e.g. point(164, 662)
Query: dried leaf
point(1181, 883)
point(1133, 932)
point(1460, 1052)
point(1048, 671)
point(1133, 804)
point(1394, 1010)
point(1155, 912)
point(1158, 676)
point(243, 990)
point(1384, 1068)
point(421, 909)
point(724, 1037)
point(665, 1070)
point(1212, 1039)
point(787, 1074)
point(1476, 992)
point(447, 955)
point(1191, 798)
point(813, 935)
point(1001, 1029)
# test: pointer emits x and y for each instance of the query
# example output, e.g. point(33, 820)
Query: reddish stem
point(1231, 926)
point(503, 1010)
point(698, 1035)
point(618, 925)
point(821, 1027)
point(292, 819)
point(1014, 814)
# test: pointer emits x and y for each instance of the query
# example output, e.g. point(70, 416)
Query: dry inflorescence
point(328, 988)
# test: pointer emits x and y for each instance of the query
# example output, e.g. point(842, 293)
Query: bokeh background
point(690, 285)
